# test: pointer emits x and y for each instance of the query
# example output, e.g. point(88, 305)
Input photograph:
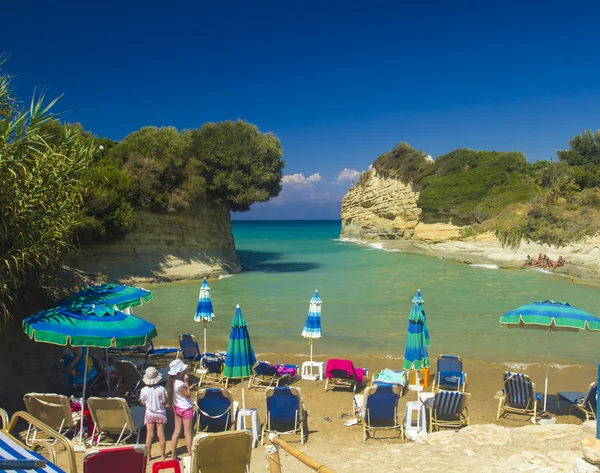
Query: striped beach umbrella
point(106, 297)
point(63, 326)
point(204, 309)
point(240, 355)
point(312, 326)
point(550, 316)
point(418, 299)
point(415, 353)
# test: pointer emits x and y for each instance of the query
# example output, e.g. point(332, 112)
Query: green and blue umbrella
point(62, 326)
point(550, 316)
point(204, 309)
point(105, 298)
point(240, 356)
point(418, 299)
point(415, 353)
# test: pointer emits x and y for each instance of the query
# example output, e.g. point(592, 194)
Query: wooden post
point(309, 462)
point(272, 450)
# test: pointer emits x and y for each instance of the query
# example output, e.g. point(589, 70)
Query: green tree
point(40, 192)
point(584, 158)
point(240, 164)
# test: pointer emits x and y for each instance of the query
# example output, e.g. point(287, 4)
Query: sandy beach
point(341, 447)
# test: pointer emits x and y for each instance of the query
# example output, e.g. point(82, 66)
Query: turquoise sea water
point(366, 295)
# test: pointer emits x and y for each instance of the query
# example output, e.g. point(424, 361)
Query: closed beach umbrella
point(114, 329)
point(94, 299)
point(312, 326)
point(418, 299)
point(204, 309)
point(550, 316)
point(415, 353)
point(240, 355)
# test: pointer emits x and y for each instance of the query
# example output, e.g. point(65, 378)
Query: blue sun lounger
point(450, 375)
point(190, 351)
point(518, 396)
point(212, 373)
point(284, 412)
point(264, 375)
point(449, 409)
point(215, 408)
point(584, 402)
point(380, 409)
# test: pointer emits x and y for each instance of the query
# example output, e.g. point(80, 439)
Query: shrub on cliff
point(403, 162)
point(40, 195)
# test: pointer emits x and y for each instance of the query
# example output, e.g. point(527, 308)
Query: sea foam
point(488, 266)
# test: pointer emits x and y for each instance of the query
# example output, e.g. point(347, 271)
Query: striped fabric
point(418, 299)
point(204, 309)
point(519, 389)
point(60, 326)
point(93, 300)
point(558, 315)
point(415, 353)
point(312, 326)
point(448, 404)
point(11, 450)
point(240, 355)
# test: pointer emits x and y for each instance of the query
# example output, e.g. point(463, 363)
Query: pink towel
point(347, 366)
point(282, 370)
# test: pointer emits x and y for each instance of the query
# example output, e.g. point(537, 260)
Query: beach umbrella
point(550, 316)
point(312, 326)
point(418, 299)
point(240, 355)
point(95, 299)
point(204, 309)
point(415, 353)
point(62, 326)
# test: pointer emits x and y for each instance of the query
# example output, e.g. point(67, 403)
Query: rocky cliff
point(382, 208)
point(167, 248)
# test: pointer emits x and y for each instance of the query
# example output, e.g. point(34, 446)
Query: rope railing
point(272, 450)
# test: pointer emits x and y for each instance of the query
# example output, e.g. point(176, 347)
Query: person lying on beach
point(538, 262)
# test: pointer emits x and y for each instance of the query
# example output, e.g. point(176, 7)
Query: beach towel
point(291, 370)
point(391, 377)
point(347, 366)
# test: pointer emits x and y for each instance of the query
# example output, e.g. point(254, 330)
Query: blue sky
point(338, 82)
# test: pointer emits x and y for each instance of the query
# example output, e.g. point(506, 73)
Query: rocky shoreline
point(582, 259)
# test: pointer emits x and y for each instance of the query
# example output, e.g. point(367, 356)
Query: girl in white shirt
point(179, 396)
point(153, 397)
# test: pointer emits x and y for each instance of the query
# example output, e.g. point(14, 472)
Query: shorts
point(185, 414)
point(155, 419)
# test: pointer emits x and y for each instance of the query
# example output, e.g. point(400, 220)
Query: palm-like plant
point(40, 191)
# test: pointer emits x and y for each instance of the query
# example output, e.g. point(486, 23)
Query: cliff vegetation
point(547, 202)
point(61, 186)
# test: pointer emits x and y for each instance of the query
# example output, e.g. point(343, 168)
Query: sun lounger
point(216, 409)
point(113, 416)
point(219, 453)
point(449, 409)
point(190, 351)
point(264, 375)
point(212, 369)
point(450, 375)
point(284, 412)
point(132, 376)
point(584, 402)
point(341, 373)
point(378, 408)
point(130, 459)
point(54, 410)
point(518, 396)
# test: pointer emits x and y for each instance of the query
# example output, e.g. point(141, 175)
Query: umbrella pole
point(87, 355)
point(547, 363)
point(243, 404)
point(204, 323)
point(311, 358)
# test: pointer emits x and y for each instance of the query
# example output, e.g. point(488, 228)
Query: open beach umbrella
point(95, 299)
point(415, 353)
point(312, 326)
point(240, 355)
point(204, 309)
point(418, 299)
point(550, 316)
point(62, 326)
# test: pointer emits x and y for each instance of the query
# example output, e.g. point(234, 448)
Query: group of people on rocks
point(543, 261)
